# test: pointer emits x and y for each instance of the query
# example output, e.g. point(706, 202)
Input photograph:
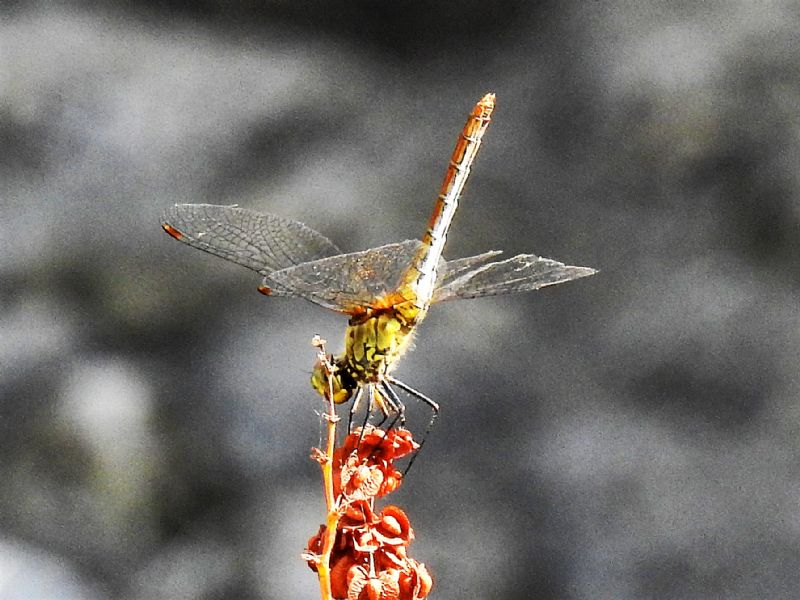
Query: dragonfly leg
point(386, 405)
point(396, 405)
point(388, 402)
point(384, 415)
point(419, 396)
point(390, 399)
point(367, 412)
point(354, 409)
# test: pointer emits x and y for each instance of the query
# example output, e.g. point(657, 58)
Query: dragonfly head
point(341, 382)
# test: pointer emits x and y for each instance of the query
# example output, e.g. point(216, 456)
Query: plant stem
point(332, 520)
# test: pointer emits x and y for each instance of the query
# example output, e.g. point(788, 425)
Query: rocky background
point(631, 435)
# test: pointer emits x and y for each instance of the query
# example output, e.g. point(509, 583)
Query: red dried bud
point(363, 483)
point(314, 547)
point(356, 514)
point(379, 445)
point(391, 557)
point(340, 571)
point(393, 527)
point(363, 586)
point(415, 582)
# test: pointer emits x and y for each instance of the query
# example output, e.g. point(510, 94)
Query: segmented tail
point(421, 274)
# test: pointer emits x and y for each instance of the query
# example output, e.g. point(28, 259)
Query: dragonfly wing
point(346, 282)
point(458, 267)
point(261, 242)
point(522, 273)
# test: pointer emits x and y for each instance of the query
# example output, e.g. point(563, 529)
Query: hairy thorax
point(376, 340)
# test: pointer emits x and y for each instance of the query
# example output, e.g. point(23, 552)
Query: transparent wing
point(458, 267)
point(522, 273)
point(261, 242)
point(346, 282)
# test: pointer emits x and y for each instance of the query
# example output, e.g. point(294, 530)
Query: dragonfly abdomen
point(421, 274)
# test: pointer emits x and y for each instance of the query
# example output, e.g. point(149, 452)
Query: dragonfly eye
point(341, 384)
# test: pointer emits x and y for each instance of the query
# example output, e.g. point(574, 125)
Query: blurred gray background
point(631, 435)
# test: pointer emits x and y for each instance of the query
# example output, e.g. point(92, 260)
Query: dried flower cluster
point(368, 556)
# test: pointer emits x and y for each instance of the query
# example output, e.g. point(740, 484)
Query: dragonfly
point(384, 291)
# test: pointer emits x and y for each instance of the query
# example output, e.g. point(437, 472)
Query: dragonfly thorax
point(373, 345)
